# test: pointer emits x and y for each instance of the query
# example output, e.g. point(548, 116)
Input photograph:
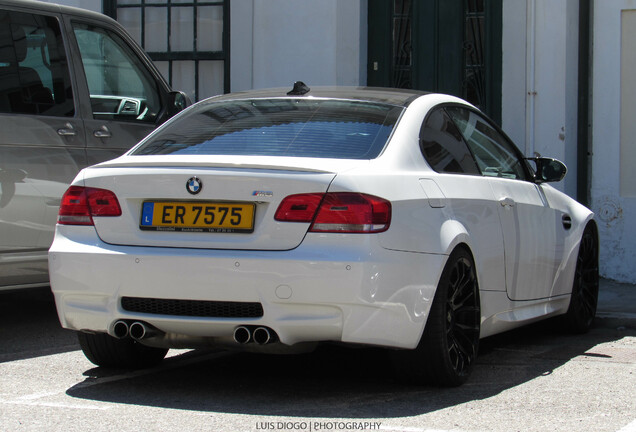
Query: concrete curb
point(616, 305)
point(614, 320)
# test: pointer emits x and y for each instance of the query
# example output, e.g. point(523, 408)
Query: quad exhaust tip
point(136, 330)
point(139, 331)
point(120, 329)
point(242, 335)
point(260, 335)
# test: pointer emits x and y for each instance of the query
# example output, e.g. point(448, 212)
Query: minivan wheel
point(447, 351)
point(106, 351)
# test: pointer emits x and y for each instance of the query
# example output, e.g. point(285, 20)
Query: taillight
point(343, 212)
point(298, 208)
point(80, 204)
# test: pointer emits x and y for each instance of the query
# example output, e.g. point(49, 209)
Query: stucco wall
point(615, 212)
point(540, 78)
point(277, 42)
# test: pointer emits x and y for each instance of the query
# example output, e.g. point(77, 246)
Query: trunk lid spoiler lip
point(310, 165)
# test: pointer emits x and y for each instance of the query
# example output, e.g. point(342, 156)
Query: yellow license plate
point(221, 217)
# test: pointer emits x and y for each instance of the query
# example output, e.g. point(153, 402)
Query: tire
point(584, 298)
point(106, 351)
point(448, 348)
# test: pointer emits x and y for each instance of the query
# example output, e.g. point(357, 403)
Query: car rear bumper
point(344, 288)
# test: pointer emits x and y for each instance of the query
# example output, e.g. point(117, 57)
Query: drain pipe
point(584, 149)
point(531, 33)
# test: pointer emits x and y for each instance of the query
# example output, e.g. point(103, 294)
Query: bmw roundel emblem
point(194, 185)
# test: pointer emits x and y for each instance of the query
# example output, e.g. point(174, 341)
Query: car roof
point(399, 97)
point(41, 6)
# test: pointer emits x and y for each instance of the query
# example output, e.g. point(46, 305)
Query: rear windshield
point(317, 128)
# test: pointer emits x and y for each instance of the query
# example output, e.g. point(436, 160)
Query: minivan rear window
point(319, 128)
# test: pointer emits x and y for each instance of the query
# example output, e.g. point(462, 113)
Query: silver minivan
point(75, 89)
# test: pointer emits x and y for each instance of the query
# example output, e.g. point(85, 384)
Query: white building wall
point(540, 80)
point(615, 213)
point(277, 42)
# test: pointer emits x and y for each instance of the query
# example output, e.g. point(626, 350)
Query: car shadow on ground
point(334, 382)
point(29, 326)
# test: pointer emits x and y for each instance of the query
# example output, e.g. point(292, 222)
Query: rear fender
point(452, 234)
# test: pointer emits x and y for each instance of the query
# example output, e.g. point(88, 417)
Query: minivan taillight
point(342, 212)
point(80, 204)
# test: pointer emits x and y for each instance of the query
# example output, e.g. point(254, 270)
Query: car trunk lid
point(144, 190)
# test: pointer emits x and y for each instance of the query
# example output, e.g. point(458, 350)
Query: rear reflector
point(343, 212)
point(80, 204)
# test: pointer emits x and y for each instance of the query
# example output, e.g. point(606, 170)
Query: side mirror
point(177, 101)
point(548, 170)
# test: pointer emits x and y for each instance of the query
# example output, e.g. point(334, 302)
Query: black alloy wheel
point(448, 348)
point(584, 298)
point(462, 316)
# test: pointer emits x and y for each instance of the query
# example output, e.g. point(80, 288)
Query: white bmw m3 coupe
point(273, 221)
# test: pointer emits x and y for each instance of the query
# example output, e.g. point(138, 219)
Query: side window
point(443, 147)
point(495, 156)
point(34, 77)
point(121, 87)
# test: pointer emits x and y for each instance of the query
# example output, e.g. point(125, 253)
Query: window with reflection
point(279, 127)
point(494, 154)
point(120, 86)
point(443, 147)
point(34, 76)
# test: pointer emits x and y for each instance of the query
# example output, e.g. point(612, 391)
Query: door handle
point(567, 221)
point(67, 130)
point(507, 202)
point(102, 132)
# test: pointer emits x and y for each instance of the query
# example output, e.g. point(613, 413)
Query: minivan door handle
point(67, 130)
point(102, 132)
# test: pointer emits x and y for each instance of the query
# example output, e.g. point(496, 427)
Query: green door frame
point(379, 46)
point(437, 39)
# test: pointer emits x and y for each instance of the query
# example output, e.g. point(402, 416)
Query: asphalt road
point(534, 379)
